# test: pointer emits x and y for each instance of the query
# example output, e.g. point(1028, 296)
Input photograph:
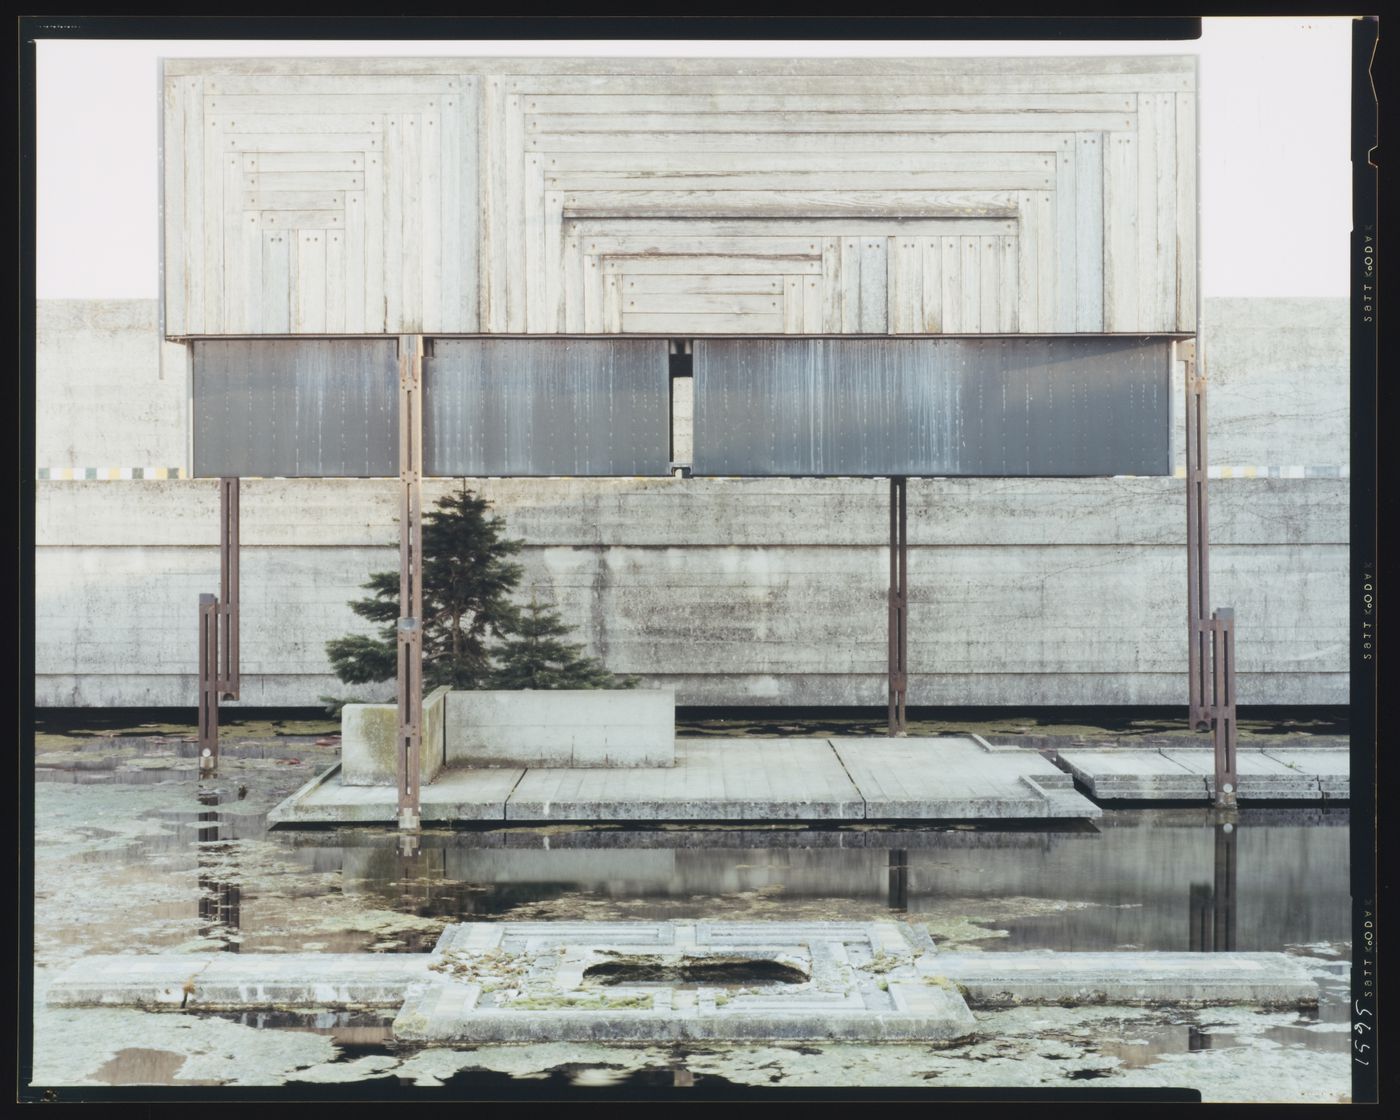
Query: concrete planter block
point(368, 735)
point(563, 727)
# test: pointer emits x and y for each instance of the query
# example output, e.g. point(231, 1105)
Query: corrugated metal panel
point(296, 409)
point(948, 406)
point(527, 407)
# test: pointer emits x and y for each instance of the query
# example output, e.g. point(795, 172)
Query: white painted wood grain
point(1066, 233)
point(376, 258)
point(173, 217)
point(1186, 205)
point(1120, 233)
point(697, 324)
point(276, 289)
point(335, 281)
point(393, 222)
point(411, 248)
point(951, 277)
point(930, 251)
point(429, 264)
point(1089, 227)
point(1008, 303)
point(355, 262)
point(970, 285)
point(251, 235)
point(1163, 307)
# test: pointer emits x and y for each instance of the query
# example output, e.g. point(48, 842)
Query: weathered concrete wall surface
point(759, 591)
point(111, 393)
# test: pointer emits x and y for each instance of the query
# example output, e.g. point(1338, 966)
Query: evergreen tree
point(467, 579)
point(536, 657)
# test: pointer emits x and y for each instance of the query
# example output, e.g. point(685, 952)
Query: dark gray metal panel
point(996, 407)
point(307, 408)
point(547, 406)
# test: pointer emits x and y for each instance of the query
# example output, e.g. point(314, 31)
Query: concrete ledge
point(236, 981)
point(1188, 773)
point(561, 728)
point(1128, 977)
point(369, 742)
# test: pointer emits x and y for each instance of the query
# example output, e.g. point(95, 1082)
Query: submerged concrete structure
point(681, 981)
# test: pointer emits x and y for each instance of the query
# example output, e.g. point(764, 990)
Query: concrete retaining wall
point(369, 742)
point(564, 727)
point(746, 592)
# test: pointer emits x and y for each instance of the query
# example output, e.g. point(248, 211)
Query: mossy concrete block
point(562, 727)
point(369, 733)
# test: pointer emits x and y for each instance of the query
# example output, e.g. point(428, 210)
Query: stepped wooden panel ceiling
point(680, 197)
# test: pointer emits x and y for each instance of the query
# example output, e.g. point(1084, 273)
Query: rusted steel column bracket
point(1197, 539)
point(229, 544)
point(1227, 780)
point(898, 643)
point(207, 740)
point(410, 629)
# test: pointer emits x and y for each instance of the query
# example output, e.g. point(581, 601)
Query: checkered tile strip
point(103, 473)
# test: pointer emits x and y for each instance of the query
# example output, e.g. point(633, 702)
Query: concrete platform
point(1188, 773)
point(959, 778)
point(536, 982)
point(680, 980)
point(953, 779)
point(1129, 977)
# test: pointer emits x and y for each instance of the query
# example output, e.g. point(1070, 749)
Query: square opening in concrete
point(719, 971)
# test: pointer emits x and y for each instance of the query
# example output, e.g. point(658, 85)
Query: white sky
point(1275, 154)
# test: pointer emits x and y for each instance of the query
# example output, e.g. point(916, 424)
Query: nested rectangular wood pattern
point(680, 196)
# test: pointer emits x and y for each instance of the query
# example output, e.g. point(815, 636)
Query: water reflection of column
point(1213, 905)
point(220, 903)
point(1225, 835)
point(899, 880)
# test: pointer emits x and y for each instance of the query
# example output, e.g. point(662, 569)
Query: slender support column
point(228, 588)
point(1227, 781)
point(899, 607)
point(410, 627)
point(1197, 541)
point(207, 741)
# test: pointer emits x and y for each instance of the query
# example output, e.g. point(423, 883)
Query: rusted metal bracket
point(410, 628)
point(899, 607)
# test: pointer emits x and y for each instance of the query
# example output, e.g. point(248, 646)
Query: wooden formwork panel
point(680, 197)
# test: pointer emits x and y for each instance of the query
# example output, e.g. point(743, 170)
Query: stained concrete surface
point(952, 778)
point(134, 862)
point(1188, 773)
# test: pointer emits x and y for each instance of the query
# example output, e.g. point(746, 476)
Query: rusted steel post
point(410, 628)
point(228, 588)
point(898, 643)
point(1227, 780)
point(207, 740)
point(903, 607)
point(1198, 626)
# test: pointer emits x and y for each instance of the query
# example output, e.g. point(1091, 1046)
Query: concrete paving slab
point(713, 779)
point(1188, 773)
point(236, 981)
point(957, 778)
point(676, 981)
point(1128, 977)
point(455, 795)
